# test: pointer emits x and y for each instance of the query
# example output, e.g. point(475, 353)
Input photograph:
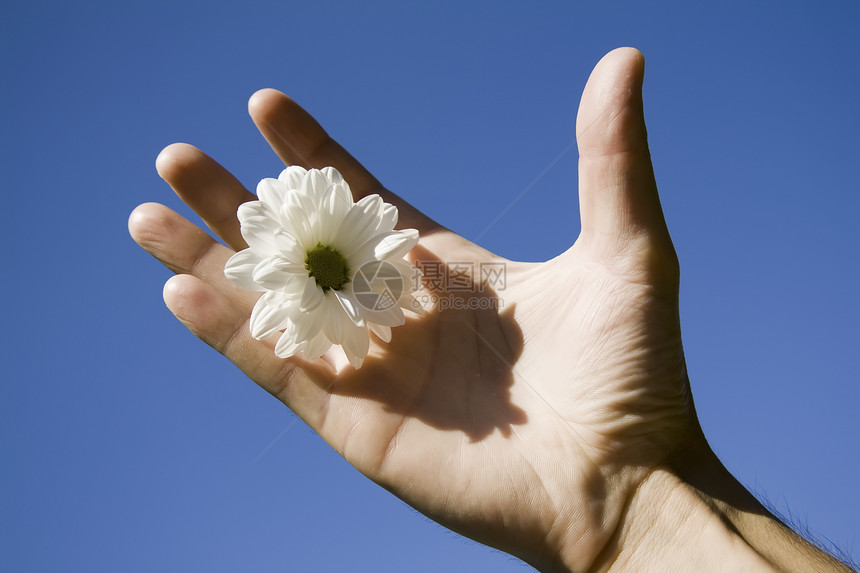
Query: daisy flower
point(331, 270)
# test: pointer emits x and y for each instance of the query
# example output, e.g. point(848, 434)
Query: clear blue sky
point(128, 445)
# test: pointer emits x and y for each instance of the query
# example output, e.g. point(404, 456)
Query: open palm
point(525, 412)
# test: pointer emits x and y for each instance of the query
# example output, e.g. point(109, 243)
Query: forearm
point(697, 517)
point(731, 502)
point(668, 526)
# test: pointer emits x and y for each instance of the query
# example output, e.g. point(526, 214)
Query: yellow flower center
point(327, 266)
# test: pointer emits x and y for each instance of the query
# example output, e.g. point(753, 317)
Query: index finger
point(298, 139)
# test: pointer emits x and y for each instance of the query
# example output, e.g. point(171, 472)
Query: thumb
point(619, 205)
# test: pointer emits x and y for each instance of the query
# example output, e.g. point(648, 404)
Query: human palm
point(526, 416)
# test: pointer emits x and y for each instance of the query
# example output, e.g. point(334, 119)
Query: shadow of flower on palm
point(452, 368)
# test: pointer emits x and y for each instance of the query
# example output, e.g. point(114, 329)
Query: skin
point(559, 426)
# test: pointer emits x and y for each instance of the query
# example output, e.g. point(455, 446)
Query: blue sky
point(127, 444)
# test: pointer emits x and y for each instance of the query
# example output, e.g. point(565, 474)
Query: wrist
point(693, 515)
point(761, 531)
point(669, 526)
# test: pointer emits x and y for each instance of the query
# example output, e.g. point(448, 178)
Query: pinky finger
point(213, 318)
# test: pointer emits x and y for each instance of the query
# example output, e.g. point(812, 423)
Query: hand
point(530, 417)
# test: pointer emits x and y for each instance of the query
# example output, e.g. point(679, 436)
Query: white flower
point(331, 270)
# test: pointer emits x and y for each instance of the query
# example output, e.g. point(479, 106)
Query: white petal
point(332, 174)
point(303, 326)
point(258, 227)
point(395, 244)
point(299, 211)
point(392, 316)
point(388, 219)
point(289, 246)
point(267, 320)
point(297, 220)
point(338, 204)
point(409, 302)
point(336, 320)
point(315, 347)
point(342, 198)
point(372, 205)
point(350, 307)
point(292, 176)
point(351, 233)
point(239, 269)
point(365, 253)
point(250, 210)
point(312, 296)
point(323, 224)
point(272, 193)
point(361, 221)
point(380, 330)
point(280, 299)
point(387, 280)
point(356, 343)
point(277, 273)
point(286, 346)
point(410, 274)
point(314, 186)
